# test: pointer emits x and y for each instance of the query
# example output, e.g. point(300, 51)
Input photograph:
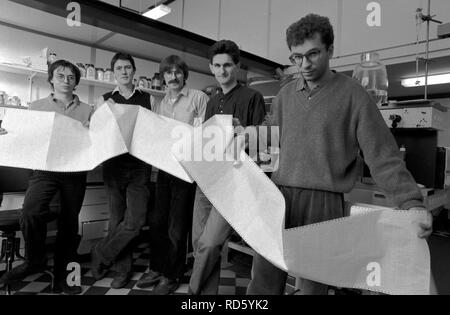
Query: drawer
point(94, 213)
point(12, 201)
point(95, 195)
point(94, 230)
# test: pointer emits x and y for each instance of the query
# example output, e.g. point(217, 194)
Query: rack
point(32, 73)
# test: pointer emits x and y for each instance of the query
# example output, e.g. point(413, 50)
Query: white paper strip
point(374, 249)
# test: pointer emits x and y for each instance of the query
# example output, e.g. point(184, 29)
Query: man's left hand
point(425, 224)
point(3, 131)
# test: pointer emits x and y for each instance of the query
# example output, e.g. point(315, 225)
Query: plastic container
point(372, 75)
point(156, 82)
point(99, 74)
point(90, 72)
point(109, 75)
point(149, 83)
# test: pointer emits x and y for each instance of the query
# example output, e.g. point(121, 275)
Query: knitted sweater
point(321, 137)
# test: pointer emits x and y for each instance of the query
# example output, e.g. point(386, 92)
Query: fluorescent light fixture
point(432, 80)
point(157, 12)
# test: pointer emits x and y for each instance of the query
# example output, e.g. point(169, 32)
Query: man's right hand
point(3, 131)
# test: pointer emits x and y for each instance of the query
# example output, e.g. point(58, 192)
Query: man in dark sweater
point(209, 229)
point(126, 179)
point(326, 119)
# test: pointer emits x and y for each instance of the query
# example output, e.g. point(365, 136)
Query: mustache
point(174, 81)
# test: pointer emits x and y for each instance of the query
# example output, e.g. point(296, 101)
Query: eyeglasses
point(312, 56)
point(61, 78)
point(173, 73)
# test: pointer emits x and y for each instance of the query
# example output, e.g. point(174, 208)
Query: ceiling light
point(157, 12)
point(432, 80)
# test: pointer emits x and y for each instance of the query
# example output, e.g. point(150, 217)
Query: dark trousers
point(303, 207)
point(127, 190)
point(42, 188)
point(170, 223)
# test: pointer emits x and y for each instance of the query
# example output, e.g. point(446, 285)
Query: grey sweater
point(321, 137)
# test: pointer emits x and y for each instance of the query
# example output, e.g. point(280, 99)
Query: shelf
point(23, 70)
point(124, 24)
point(15, 107)
point(19, 69)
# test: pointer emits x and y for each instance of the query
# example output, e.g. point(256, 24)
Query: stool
point(9, 225)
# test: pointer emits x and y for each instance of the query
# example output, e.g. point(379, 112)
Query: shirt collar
point(75, 101)
point(135, 89)
point(231, 91)
point(302, 85)
point(184, 92)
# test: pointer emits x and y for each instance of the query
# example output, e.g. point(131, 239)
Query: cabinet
point(93, 218)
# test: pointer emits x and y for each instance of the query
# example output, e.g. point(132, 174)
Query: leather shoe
point(165, 286)
point(150, 279)
point(98, 269)
point(20, 272)
point(120, 280)
point(61, 286)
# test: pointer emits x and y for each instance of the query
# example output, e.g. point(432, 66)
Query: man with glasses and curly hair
point(326, 119)
point(63, 77)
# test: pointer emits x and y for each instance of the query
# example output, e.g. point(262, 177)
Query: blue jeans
point(126, 186)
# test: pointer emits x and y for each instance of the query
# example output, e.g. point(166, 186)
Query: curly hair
point(224, 47)
point(307, 27)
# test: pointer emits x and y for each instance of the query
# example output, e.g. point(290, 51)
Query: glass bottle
point(156, 82)
point(372, 75)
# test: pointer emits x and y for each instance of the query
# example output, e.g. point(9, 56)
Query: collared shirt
point(101, 100)
point(189, 106)
point(75, 109)
point(302, 86)
point(242, 102)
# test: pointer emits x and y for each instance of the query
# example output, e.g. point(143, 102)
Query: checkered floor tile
point(235, 277)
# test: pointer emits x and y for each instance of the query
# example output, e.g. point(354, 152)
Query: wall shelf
point(31, 72)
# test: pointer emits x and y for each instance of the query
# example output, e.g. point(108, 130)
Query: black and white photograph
point(227, 154)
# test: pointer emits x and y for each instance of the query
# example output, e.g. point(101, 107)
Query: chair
point(9, 225)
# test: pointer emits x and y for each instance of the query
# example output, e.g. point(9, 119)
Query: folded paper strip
point(373, 248)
